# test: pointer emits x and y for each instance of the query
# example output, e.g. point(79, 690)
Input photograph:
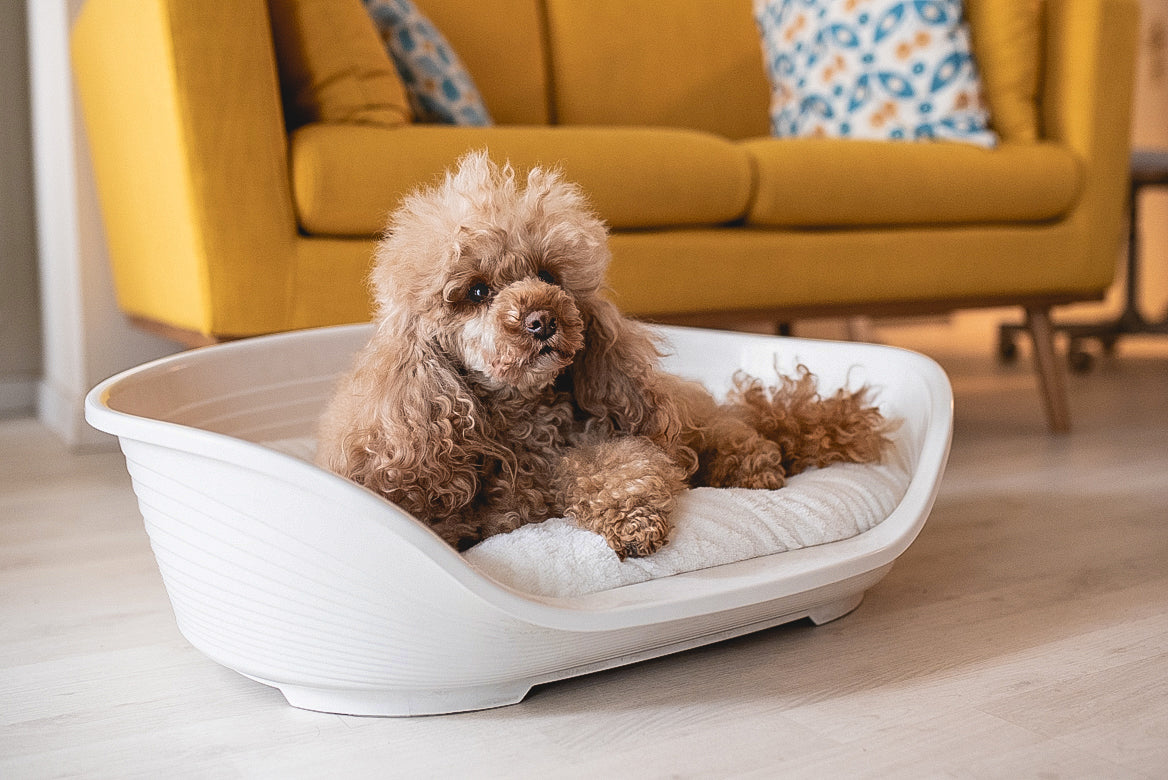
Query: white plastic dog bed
point(302, 580)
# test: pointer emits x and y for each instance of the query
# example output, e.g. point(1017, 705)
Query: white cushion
point(712, 526)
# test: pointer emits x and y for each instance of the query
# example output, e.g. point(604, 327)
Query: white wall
point(86, 339)
point(20, 333)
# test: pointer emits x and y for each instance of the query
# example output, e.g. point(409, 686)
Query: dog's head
point(497, 273)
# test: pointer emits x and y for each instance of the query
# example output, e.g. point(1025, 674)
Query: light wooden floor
point(1024, 634)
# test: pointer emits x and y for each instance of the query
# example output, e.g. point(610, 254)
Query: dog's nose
point(540, 324)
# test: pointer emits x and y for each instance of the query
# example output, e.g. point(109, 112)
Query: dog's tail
point(811, 430)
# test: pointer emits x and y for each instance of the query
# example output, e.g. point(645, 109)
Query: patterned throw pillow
point(439, 87)
point(872, 69)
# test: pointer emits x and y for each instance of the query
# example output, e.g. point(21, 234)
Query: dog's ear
point(405, 426)
point(616, 379)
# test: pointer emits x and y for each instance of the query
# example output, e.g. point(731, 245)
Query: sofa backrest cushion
point(333, 66)
point(687, 63)
point(501, 43)
point(699, 64)
point(1007, 45)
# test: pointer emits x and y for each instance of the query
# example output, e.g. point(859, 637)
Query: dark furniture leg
point(1149, 168)
point(1052, 386)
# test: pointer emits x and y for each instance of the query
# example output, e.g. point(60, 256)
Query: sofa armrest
point(1087, 105)
point(182, 107)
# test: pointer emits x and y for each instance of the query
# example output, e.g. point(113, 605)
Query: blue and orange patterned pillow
point(438, 85)
point(872, 69)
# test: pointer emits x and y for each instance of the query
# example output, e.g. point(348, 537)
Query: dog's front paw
point(633, 519)
point(643, 532)
point(623, 489)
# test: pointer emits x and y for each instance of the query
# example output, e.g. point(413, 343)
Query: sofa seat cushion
point(816, 182)
point(347, 178)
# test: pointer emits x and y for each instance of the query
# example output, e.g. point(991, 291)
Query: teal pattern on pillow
point(872, 69)
point(439, 87)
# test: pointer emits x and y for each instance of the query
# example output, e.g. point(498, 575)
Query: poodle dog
point(501, 387)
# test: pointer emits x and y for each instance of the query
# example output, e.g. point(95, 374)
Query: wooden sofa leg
point(1050, 376)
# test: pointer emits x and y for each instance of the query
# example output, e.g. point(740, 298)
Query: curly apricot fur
point(501, 387)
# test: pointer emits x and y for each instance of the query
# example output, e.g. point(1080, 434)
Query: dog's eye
point(546, 276)
point(478, 293)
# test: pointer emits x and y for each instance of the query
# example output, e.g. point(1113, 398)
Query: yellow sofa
point(229, 216)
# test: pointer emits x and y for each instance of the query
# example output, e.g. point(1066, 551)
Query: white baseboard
point(64, 415)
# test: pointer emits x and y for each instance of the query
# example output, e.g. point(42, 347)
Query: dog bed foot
point(401, 703)
point(835, 609)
